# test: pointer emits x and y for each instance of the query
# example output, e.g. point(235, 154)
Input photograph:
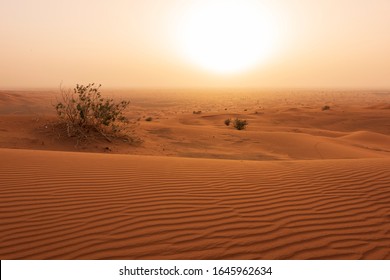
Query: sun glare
point(227, 36)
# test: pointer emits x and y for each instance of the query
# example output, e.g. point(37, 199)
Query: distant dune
point(298, 183)
point(284, 125)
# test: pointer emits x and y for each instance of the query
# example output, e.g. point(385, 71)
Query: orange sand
point(298, 183)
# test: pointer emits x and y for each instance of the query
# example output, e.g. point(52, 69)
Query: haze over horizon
point(299, 44)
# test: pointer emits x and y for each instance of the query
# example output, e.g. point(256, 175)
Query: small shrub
point(84, 110)
point(149, 119)
point(227, 122)
point(240, 124)
point(326, 107)
point(197, 112)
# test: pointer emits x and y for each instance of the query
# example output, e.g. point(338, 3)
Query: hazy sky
point(134, 43)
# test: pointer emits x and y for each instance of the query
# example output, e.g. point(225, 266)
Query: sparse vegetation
point(326, 107)
point(149, 119)
point(85, 111)
point(240, 124)
point(227, 122)
point(197, 112)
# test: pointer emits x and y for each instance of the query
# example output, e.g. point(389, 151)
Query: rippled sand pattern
point(59, 205)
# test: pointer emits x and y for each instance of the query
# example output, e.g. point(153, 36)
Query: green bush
point(240, 124)
point(85, 110)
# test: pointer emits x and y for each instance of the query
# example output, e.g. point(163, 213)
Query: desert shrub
point(227, 122)
point(240, 124)
point(149, 119)
point(197, 112)
point(326, 107)
point(84, 110)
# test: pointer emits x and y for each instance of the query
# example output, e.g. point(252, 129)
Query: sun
point(227, 36)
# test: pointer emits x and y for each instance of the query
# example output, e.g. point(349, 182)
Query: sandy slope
point(61, 205)
point(282, 125)
point(298, 183)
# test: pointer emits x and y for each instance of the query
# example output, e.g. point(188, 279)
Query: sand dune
point(59, 205)
point(297, 183)
point(370, 140)
point(282, 125)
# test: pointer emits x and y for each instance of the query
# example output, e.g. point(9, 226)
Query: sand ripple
point(58, 205)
